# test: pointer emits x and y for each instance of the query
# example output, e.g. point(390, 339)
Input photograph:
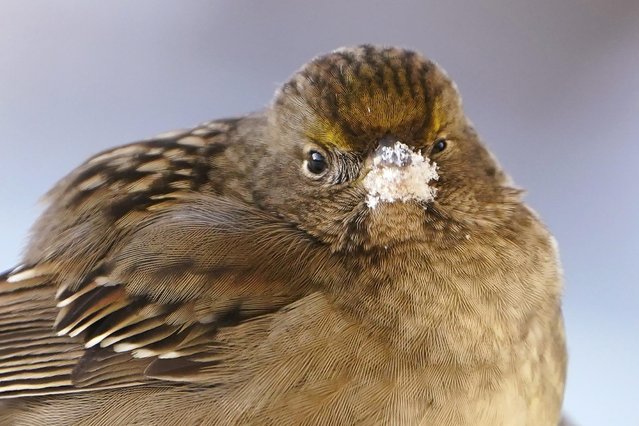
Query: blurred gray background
point(552, 86)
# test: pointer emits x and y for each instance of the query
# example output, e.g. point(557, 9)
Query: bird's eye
point(316, 162)
point(439, 146)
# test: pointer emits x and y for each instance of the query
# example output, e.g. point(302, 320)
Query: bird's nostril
point(387, 141)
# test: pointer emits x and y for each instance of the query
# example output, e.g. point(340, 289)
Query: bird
point(350, 254)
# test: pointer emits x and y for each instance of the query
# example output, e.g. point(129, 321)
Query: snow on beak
point(397, 173)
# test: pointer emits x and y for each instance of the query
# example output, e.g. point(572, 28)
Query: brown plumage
point(245, 271)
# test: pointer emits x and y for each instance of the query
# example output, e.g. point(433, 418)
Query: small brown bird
point(350, 255)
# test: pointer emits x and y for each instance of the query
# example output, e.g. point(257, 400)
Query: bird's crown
point(354, 95)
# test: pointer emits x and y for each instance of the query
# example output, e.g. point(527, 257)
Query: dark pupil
point(439, 146)
point(316, 162)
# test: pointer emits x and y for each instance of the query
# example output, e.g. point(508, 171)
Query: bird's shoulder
point(136, 174)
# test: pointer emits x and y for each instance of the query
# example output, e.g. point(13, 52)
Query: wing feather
point(136, 267)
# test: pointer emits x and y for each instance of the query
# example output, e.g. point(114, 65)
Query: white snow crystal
point(399, 173)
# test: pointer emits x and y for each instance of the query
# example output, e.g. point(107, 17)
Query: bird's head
point(369, 147)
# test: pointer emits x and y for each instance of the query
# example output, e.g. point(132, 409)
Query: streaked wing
point(137, 265)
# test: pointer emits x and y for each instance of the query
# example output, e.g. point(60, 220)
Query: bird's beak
point(398, 173)
point(392, 153)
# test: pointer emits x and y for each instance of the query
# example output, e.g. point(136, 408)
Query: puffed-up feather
point(351, 254)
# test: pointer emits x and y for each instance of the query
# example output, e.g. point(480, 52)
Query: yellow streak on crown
point(437, 118)
point(328, 133)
